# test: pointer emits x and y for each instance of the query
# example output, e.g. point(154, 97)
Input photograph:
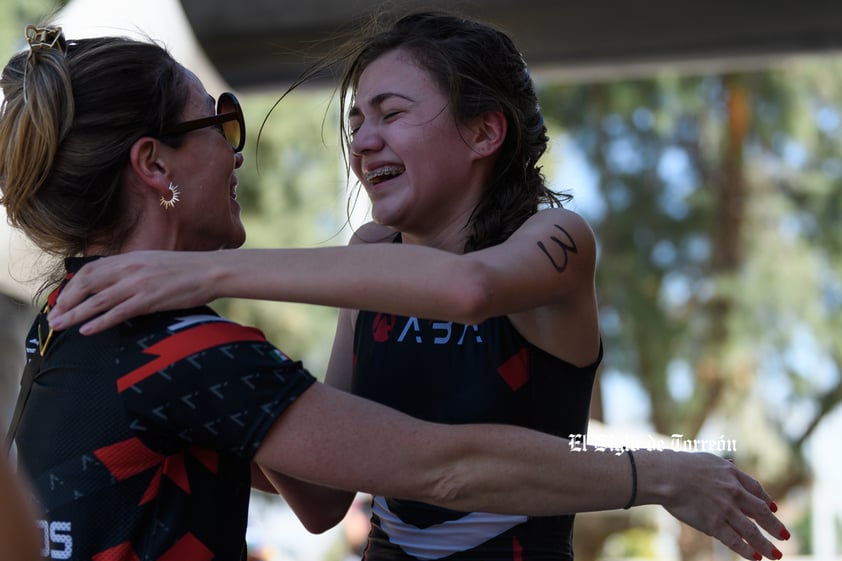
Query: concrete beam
point(262, 43)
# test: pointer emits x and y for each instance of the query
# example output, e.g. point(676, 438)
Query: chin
point(236, 243)
point(236, 240)
point(384, 216)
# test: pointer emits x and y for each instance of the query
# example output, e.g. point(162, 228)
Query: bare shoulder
point(562, 270)
point(561, 216)
point(372, 232)
point(566, 226)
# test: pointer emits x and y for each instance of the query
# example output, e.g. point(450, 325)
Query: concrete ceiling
point(261, 43)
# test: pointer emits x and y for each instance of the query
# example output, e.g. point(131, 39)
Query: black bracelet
point(633, 496)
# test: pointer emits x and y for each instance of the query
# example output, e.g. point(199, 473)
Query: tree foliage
point(293, 191)
point(720, 257)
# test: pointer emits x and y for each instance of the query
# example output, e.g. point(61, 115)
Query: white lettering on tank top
point(440, 332)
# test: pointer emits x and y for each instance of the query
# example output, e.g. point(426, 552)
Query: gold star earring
point(174, 192)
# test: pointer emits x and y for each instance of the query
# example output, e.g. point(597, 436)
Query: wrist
point(655, 476)
point(219, 275)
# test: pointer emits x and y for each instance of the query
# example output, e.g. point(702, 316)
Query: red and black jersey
point(455, 373)
point(139, 440)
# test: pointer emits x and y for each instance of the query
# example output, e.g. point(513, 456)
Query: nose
point(366, 139)
point(238, 159)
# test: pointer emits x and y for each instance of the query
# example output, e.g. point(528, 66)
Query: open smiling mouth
point(383, 174)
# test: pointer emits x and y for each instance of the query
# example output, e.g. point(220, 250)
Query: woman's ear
point(148, 166)
point(489, 132)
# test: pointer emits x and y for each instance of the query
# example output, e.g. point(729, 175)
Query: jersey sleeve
point(197, 379)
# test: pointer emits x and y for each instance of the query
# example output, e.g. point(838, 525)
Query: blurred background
point(703, 143)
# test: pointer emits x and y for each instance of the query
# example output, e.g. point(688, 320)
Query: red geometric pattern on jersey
point(130, 457)
point(123, 552)
point(51, 299)
point(187, 548)
point(515, 371)
point(383, 326)
point(187, 343)
point(190, 548)
point(517, 550)
point(158, 467)
point(453, 373)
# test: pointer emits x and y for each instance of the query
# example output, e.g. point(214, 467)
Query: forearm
point(510, 470)
point(373, 276)
point(335, 439)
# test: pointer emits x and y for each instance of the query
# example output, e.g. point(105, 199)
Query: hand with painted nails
point(717, 498)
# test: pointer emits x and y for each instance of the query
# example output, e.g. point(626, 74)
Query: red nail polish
point(773, 506)
point(785, 534)
point(757, 556)
point(777, 553)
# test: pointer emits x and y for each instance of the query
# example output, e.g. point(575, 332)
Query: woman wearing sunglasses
point(139, 440)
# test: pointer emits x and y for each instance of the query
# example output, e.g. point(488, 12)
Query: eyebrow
point(377, 100)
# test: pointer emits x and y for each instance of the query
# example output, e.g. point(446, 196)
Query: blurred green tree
point(293, 191)
point(717, 219)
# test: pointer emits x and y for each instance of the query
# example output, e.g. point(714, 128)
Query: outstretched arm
point(546, 260)
point(325, 438)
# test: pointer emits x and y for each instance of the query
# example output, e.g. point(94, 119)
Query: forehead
point(395, 71)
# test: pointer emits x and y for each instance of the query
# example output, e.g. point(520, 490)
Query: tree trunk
point(726, 260)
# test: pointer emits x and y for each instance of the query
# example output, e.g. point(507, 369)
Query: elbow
point(322, 522)
point(474, 293)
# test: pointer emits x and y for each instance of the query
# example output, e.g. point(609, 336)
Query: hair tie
point(48, 37)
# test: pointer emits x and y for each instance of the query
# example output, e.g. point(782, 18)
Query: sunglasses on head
point(229, 116)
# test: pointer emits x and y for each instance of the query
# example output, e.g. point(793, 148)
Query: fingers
point(101, 311)
point(74, 306)
point(754, 487)
point(756, 508)
point(109, 319)
point(89, 293)
point(760, 507)
point(125, 286)
point(751, 542)
point(87, 281)
point(731, 538)
point(741, 534)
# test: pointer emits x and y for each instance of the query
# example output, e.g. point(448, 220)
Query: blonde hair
point(67, 124)
point(35, 121)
